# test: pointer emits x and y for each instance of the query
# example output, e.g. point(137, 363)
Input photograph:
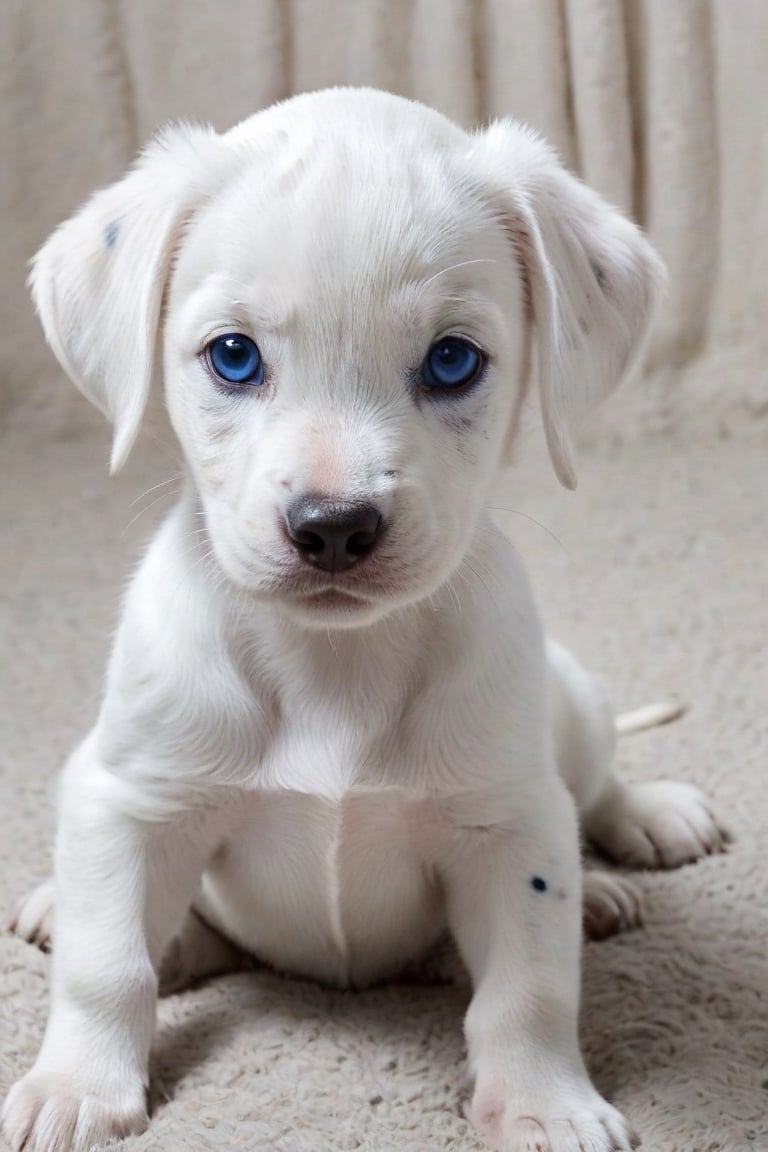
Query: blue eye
point(452, 363)
point(236, 359)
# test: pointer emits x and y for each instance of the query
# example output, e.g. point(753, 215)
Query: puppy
point(331, 724)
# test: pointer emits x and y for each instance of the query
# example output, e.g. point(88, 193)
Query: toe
point(33, 918)
point(612, 904)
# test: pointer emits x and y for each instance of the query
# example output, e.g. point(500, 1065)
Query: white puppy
point(331, 722)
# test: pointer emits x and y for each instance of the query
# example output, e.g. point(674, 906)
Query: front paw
point(567, 1121)
point(57, 1112)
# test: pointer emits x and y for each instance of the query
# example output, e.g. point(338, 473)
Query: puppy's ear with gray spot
point(98, 281)
point(593, 281)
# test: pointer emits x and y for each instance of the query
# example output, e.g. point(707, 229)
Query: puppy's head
point(344, 297)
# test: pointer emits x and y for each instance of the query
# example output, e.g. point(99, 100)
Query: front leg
point(122, 886)
point(512, 877)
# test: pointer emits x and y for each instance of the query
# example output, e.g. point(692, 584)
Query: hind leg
point(196, 953)
point(659, 825)
point(612, 904)
point(32, 919)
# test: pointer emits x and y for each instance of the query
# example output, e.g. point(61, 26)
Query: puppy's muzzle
point(332, 534)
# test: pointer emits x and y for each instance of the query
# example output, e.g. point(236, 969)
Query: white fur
point(332, 768)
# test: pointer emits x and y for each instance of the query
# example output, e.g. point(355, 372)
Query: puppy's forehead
point(343, 214)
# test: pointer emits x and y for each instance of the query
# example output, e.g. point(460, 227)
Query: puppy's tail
point(649, 716)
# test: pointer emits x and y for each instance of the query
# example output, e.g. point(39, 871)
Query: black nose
point(332, 534)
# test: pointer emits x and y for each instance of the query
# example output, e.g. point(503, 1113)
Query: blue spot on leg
point(110, 233)
point(538, 883)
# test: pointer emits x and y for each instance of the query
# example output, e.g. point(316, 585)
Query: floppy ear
point(98, 281)
point(593, 281)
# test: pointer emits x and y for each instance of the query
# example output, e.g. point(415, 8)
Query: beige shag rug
point(655, 572)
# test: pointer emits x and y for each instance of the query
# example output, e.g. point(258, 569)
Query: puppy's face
point(343, 359)
point(339, 296)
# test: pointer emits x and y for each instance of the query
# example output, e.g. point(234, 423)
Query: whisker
point(483, 577)
point(146, 508)
point(461, 264)
point(154, 488)
point(456, 601)
point(533, 520)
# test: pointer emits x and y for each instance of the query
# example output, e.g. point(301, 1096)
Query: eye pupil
point(236, 351)
point(447, 353)
point(236, 359)
point(452, 364)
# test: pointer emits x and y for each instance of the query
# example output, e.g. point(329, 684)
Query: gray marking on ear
point(598, 273)
point(111, 233)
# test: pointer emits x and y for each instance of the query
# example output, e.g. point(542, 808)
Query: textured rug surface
point(655, 573)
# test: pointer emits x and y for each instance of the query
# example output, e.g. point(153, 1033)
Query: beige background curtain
point(660, 104)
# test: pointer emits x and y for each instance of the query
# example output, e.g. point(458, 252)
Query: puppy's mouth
point(334, 599)
point(340, 596)
point(330, 604)
point(353, 588)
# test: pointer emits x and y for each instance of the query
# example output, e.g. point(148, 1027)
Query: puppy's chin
point(332, 609)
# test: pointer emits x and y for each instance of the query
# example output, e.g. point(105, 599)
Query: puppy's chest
point(332, 743)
